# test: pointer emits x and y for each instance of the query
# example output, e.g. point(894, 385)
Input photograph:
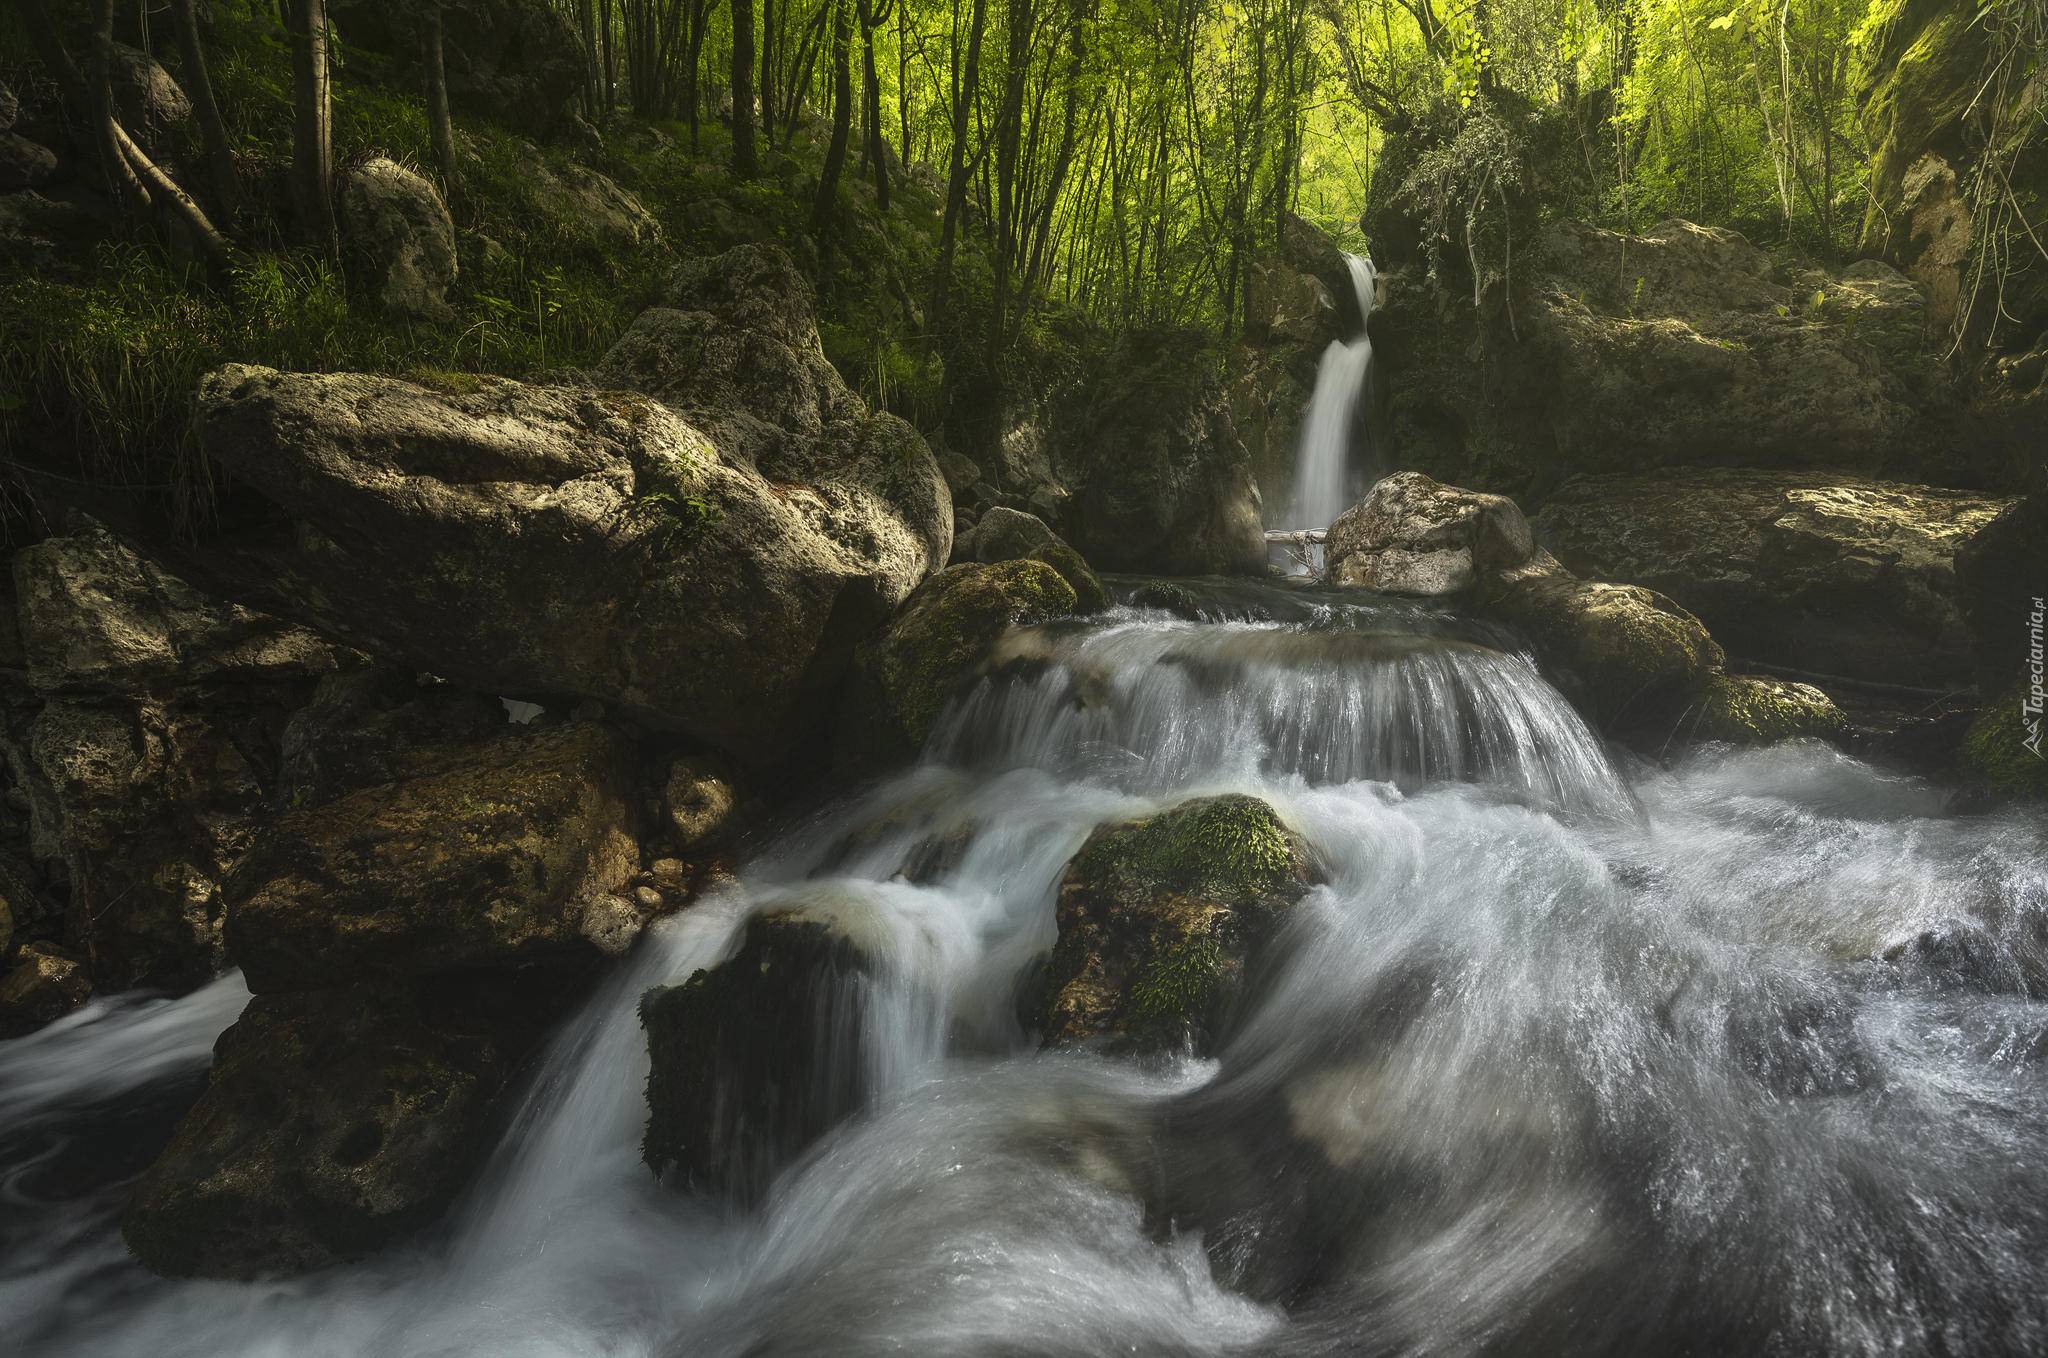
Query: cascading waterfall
point(1322, 461)
point(1571, 1053)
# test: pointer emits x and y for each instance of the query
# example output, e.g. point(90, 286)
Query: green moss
point(1995, 749)
point(1745, 710)
point(1231, 846)
point(960, 612)
point(1089, 595)
point(1176, 989)
point(1178, 600)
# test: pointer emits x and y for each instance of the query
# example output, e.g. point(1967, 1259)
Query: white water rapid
point(1572, 1054)
point(1324, 483)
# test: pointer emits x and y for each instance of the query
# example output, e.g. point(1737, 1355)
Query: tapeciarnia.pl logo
point(2030, 706)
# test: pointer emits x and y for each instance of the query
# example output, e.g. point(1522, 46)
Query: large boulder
point(399, 223)
point(1822, 572)
point(142, 734)
point(1158, 919)
point(939, 642)
point(754, 1059)
point(589, 203)
point(338, 1121)
point(23, 163)
point(150, 103)
point(707, 575)
point(498, 861)
point(1410, 535)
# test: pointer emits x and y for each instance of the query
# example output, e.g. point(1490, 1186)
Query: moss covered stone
point(1745, 709)
point(1995, 749)
point(905, 674)
point(1157, 919)
point(1621, 652)
point(1089, 595)
point(1169, 597)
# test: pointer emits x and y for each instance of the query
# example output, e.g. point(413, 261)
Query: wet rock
point(1821, 572)
point(2006, 747)
point(493, 863)
point(1089, 595)
point(1961, 954)
point(756, 1058)
point(572, 542)
point(1622, 654)
point(1158, 919)
point(337, 1122)
point(400, 223)
point(47, 982)
point(1755, 710)
point(2000, 574)
point(1169, 597)
point(1410, 535)
point(23, 163)
point(934, 646)
point(702, 801)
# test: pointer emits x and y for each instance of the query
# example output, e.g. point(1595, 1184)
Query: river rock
point(400, 223)
point(142, 739)
point(597, 544)
point(2001, 577)
point(756, 1058)
point(1410, 535)
point(702, 801)
point(937, 643)
point(1158, 918)
point(493, 863)
point(1829, 573)
point(1007, 535)
point(47, 982)
point(336, 1122)
point(1756, 710)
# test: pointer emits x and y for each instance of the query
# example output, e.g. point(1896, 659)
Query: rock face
point(1834, 574)
point(555, 540)
point(1157, 919)
point(397, 220)
point(1410, 535)
point(494, 862)
point(1685, 346)
point(905, 674)
point(47, 981)
point(142, 729)
point(758, 1057)
point(336, 1122)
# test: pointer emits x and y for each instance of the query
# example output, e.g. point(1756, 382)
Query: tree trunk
point(745, 163)
point(227, 183)
point(439, 127)
point(133, 197)
point(842, 124)
point(313, 130)
point(957, 172)
point(871, 104)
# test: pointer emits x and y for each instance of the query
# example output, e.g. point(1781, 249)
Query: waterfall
point(1322, 461)
point(1570, 1052)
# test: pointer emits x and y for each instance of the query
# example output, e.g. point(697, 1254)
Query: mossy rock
point(1996, 747)
point(1089, 595)
point(1745, 709)
point(934, 645)
point(754, 1059)
point(1169, 597)
point(1621, 652)
point(1159, 918)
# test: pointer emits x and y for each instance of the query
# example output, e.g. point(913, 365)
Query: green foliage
point(1231, 846)
point(1995, 749)
point(1176, 987)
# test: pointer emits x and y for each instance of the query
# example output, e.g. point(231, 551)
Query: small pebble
point(670, 867)
point(647, 896)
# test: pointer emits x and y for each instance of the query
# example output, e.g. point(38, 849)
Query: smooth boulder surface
point(708, 575)
point(495, 862)
point(1757, 710)
point(1410, 535)
point(1830, 573)
point(336, 1122)
point(397, 220)
point(757, 1057)
point(1157, 919)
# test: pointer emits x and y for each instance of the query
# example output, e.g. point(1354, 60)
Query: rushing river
point(1572, 1053)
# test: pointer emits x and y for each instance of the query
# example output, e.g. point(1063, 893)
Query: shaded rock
point(1621, 653)
point(960, 473)
point(1007, 535)
point(1089, 595)
point(23, 163)
point(597, 207)
point(1169, 597)
point(721, 227)
point(1755, 710)
point(400, 223)
point(553, 539)
point(702, 801)
point(2001, 574)
point(494, 863)
point(1157, 919)
point(372, 726)
point(1822, 572)
point(2006, 747)
point(148, 101)
point(933, 647)
point(1410, 535)
point(10, 108)
point(337, 1122)
point(756, 1058)
point(47, 982)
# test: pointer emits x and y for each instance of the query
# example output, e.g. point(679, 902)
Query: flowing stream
point(1323, 480)
point(1571, 1053)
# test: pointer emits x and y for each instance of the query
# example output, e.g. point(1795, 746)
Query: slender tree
point(965, 84)
point(745, 162)
point(440, 128)
point(313, 129)
point(220, 160)
point(128, 188)
point(842, 126)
